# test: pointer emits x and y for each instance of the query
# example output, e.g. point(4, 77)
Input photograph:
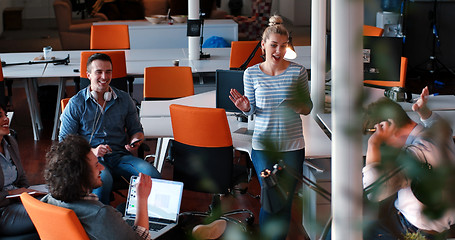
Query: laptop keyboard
point(152, 226)
point(156, 226)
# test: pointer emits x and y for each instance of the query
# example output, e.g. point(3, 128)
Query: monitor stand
point(241, 118)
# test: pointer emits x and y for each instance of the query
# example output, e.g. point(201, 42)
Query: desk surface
point(326, 118)
point(435, 103)
point(136, 60)
point(155, 119)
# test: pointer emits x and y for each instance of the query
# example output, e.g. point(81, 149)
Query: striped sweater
point(274, 121)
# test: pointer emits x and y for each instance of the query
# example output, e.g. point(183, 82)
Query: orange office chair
point(241, 50)
point(120, 78)
point(104, 37)
point(64, 102)
point(165, 83)
point(372, 31)
point(53, 222)
point(2, 88)
point(203, 155)
point(385, 84)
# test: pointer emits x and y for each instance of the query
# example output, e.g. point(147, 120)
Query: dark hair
point(67, 169)
point(382, 110)
point(3, 106)
point(97, 56)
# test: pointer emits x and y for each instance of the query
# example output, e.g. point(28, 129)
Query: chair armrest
point(97, 18)
point(83, 27)
point(100, 17)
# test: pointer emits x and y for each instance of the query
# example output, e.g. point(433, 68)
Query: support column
point(318, 54)
point(347, 81)
point(193, 42)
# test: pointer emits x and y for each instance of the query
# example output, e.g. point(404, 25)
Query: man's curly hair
point(67, 170)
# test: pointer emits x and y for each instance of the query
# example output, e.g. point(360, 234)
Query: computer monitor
point(225, 81)
point(382, 58)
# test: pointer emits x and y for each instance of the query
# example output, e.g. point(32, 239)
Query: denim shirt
point(113, 126)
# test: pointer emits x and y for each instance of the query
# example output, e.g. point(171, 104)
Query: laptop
point(163, 205)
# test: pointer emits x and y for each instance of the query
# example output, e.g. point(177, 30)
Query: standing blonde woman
point(276, 90)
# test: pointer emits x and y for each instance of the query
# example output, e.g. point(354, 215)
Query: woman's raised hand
point(239, 100)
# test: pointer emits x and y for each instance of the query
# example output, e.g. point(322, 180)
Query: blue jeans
point(276, 225)
point(121, 164)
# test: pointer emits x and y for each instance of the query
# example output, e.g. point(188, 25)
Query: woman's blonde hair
point(275, 26)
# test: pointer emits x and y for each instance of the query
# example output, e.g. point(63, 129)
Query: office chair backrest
point(388, 83)
point(53, 222)
point(403, 70)
point(109, 37)
point(119, 72)
point(2, 87)
point(202, 150)
point(165, 83)
point(200, 127)
point(63, 103)
point(1, 73)
point(241, 50)
point(372, 31)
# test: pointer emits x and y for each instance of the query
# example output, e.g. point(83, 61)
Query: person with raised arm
point(431, 144)
point(72, 171)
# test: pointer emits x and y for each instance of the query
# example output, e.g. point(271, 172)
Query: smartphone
point(132, 144)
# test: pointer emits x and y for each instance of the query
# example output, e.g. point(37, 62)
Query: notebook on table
point(163, 205)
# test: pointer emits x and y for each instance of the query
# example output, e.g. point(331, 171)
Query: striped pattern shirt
point(276, 123)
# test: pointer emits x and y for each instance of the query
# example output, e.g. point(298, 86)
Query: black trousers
point(14, 220)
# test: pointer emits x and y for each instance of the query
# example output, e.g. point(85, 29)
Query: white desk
point(28, 73)
point(326, 120)
point(145, 35)
point(435, 103)
point(156, 121)
point(136, 61)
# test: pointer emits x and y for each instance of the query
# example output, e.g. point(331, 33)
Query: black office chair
point(203, 156)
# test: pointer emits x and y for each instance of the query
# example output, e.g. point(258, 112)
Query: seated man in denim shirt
point(106, 117)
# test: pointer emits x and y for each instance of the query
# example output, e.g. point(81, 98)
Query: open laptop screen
point(163, 202)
